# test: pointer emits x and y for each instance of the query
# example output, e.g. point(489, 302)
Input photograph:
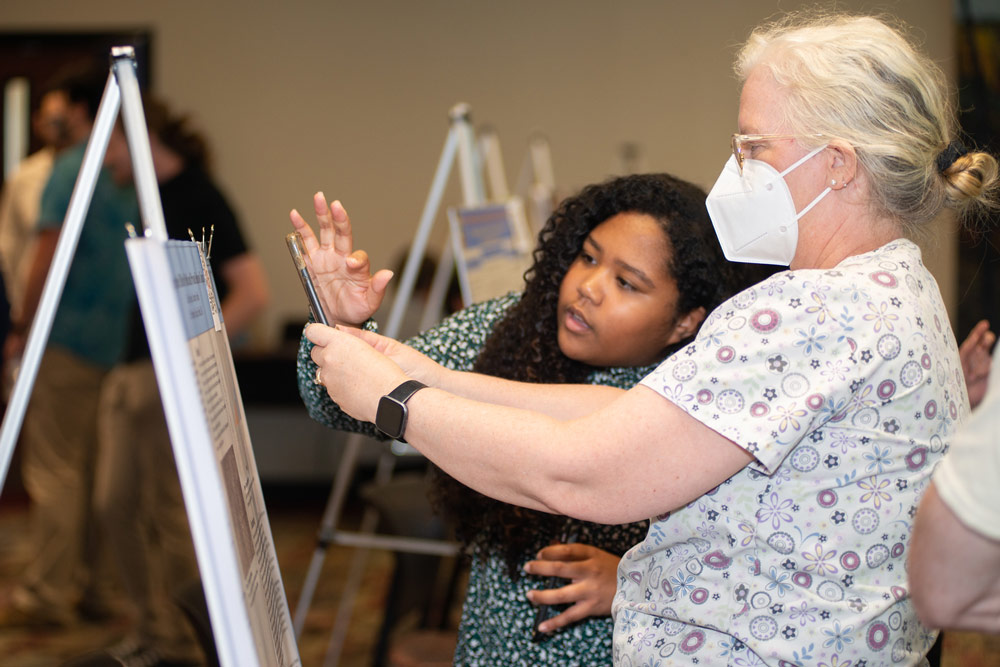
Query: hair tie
point(947, 157)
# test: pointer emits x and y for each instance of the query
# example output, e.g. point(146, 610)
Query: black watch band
point(390, 418)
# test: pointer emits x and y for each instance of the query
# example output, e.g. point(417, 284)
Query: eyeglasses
point(740, 139)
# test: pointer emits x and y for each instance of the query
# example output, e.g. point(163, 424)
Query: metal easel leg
point(345, 470)
point(369, 522)
point(459, 141)
point(121, 93)
point(72, 226)
point(328, 524)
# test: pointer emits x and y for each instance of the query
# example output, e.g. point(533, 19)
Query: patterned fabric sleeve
point(764, 365)
point(455, 343)
point(782, 358)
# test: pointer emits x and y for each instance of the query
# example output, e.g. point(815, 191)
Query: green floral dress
point(497, 618)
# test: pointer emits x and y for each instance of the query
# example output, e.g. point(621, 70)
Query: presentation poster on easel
point(492, 248)
point(201, 399)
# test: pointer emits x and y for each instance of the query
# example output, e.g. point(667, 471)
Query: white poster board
point(492, 248)
point(225, 506)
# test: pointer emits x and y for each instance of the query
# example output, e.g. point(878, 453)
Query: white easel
point(536, 181)
point(121, 92)
point(489, 148)
point(460, 142)
point(235, 636)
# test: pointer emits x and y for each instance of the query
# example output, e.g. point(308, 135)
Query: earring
point(833, 182)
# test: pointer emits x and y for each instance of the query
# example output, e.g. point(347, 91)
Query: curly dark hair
point(524, 344)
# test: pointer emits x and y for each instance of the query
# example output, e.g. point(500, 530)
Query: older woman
point(782, 452)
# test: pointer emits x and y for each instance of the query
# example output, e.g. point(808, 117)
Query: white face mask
point(754, 215)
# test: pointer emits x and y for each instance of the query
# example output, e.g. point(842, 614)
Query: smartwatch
point(390, 418)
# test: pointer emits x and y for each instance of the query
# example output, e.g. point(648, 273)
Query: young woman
point(624, 273)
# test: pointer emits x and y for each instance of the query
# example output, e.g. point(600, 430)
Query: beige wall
point(352, 97)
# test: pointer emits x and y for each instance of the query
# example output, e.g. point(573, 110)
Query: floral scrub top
point(845, 385)
point(497, 619)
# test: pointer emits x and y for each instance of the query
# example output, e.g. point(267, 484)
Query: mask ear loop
point(803, 159)
point(820, 196)
point(812, 203)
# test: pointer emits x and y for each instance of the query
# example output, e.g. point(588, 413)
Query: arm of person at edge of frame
point(38, 270)
point(954, 571)
point(349, 293)
point(593, 580)
point(637, 457)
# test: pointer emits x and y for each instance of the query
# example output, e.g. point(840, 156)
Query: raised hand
point(348, 291)
point(592, 575)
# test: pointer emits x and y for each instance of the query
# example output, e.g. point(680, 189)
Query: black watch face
point(390, 416)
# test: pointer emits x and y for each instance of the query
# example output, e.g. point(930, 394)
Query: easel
point(235, 637)
point(536, 181)
point(459, 142)
point(489, 148)
point(120, 93)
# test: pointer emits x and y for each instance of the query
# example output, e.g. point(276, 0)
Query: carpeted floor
point(295, 516)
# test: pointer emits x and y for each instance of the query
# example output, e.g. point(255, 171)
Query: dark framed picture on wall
point(29, 60)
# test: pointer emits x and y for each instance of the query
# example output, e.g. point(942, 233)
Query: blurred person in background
point(59, 587)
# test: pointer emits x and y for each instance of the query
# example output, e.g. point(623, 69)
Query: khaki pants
point(58, 463)
point(141, 508)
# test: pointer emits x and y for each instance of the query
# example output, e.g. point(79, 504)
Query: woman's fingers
point(567, 594)
point(578, 596)
point(325, 220)
point(591, 575)
point(380, 282)
point(572, 615)
point(343, 238)
point(309, 241)
point(567, 551)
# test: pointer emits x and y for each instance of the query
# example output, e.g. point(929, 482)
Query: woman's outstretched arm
point(636, 457)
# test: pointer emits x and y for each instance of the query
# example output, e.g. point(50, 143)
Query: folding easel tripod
point(536, 181)
point(120, 93)
point(236, 638)
point(459, 143)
